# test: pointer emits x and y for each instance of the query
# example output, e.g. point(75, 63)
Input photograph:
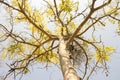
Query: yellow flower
point(4, 55)
point(104, 54)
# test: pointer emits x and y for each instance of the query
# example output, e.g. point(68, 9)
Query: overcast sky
point(109, 37)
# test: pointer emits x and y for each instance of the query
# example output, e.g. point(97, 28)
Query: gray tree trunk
point(67, 68)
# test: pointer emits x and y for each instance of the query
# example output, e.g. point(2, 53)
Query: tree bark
point(67, 68)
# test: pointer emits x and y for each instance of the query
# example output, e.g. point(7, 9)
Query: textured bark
point(67, 68)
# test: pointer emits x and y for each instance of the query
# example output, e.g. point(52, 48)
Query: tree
point(55, 33)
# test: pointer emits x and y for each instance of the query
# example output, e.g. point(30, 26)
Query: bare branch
point(103, 5)
point(114, 18)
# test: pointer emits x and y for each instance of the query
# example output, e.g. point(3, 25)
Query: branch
point(4, 36)
point(92, 10)
point(59, 19)
point(79, 14)
point(21, 10)
point(91, 25)
point(114, 18)
point(93, 69)
point(1, 1)
point(16, 65)
point(93, 3)
point(50, 6)
point(91, 43)
point(103, 5)
point(57, 13)
point(86, 63)
point(32, 22)
point(79, 28)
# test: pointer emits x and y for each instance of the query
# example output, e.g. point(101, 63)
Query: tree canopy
point(42, 33)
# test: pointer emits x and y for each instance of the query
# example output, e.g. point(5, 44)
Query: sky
point(109, 37)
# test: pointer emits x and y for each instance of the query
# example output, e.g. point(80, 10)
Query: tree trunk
point(67, 68)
